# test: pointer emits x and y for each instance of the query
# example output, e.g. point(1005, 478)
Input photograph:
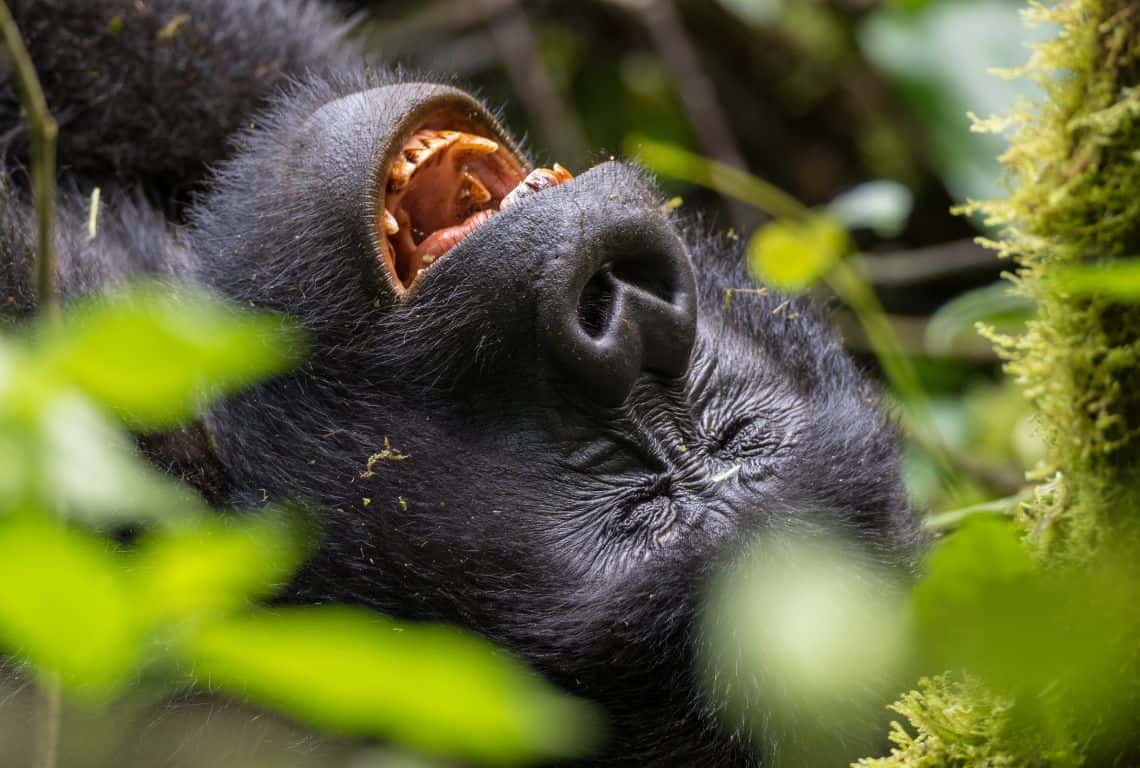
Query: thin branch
point(936, 262)
point(698, 93)
point(519, 51)
point(911, 333)
point(42, 130)
point(50, 718)
point(427, 26)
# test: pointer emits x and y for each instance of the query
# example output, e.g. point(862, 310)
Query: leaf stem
point(670, 160)
point(50, 719)
point(42, 131)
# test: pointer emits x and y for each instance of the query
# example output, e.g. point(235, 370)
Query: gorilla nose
point(619, 300)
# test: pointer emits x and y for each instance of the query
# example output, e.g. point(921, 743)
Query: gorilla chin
point(589, 428)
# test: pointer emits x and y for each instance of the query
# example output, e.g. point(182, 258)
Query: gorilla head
point(533, 405)
point(542, 420)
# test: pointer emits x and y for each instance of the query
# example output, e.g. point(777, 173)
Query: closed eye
point(746, 438)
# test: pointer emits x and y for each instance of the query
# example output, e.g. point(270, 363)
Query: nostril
point(652, 275)
point(596, 304)
point(617, 299)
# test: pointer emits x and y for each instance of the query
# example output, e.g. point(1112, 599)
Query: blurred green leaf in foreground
point(810, 638)
point(183, 601)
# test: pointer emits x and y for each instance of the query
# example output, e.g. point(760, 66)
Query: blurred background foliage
point(854, 108)
point(832, 138)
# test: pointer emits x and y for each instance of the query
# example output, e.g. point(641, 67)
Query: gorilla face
point(538, 409)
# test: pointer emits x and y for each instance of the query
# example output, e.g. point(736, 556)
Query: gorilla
point(528, 408)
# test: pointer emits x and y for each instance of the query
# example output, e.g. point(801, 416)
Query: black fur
point(576, 534)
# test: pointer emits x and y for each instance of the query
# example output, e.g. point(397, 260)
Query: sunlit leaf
point(995, 304)
point(1063, 640)
point(673, 161)
point(883, 206)
point(791, 255)
point(65, 456)
point(809, 637)
point(984, 605)
point(153, 356)
point(90, 469)
point(217, 565)
point(65, 606)
point(940, 59)
point(429, 687)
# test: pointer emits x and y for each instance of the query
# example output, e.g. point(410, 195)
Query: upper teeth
point(428, 143)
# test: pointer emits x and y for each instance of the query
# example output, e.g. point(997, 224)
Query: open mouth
point(440, 187)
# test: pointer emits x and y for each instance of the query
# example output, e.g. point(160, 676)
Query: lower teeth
point(536, 181)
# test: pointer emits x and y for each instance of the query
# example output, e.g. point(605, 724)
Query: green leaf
point(65, 606)
point(1119, 280)
point(940, 60)
point(89, 468)
point(981, 603)
point(1061, 640)
point(154, 357)
point(217, 566)
point(64, 455)
point(429, 687)
point(882, 206)
point(791, 255)
point(808, 637)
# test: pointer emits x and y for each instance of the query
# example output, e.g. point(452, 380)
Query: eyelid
point(746, 437)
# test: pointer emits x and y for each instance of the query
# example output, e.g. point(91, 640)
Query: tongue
point(442, 240)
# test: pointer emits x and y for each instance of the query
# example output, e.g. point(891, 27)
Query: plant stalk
point(42, 131)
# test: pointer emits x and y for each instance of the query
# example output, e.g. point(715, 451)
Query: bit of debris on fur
point(388, 453)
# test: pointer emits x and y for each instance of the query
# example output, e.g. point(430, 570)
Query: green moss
point(958, 724)
point(1073, 169)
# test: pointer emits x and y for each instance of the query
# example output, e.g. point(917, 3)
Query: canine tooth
point(391, 226)
point(428, 259)
point(473, 190)
point(536, 181)
point(400, 174)
point(469, 142)
point(561, 174)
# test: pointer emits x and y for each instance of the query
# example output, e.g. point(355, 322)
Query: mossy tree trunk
point(1074, 201)
point(1074, 164)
